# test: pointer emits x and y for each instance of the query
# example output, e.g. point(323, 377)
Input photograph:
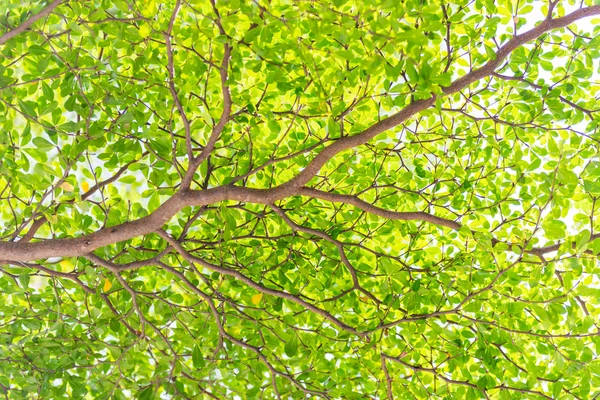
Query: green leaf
point(582, 239)
point(146, 394)
point(567, 177)
point(411, 301)
point(42, 144)
point(24, 279)
point(27, 108)
point(486, 382)
point(125, 118)
point(412, 73)
point(251, 35)
point(197, 357)
point(291, 347)
point(555, 229)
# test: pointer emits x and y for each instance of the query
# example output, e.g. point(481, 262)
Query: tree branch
point(25, 25)
point(435, 372)
point(172, 89)
point(539, 87)
point(208, 300)
point(38, 223)
point(225, 114)
point(339, 246)
point(106, 236)
point(368, 207)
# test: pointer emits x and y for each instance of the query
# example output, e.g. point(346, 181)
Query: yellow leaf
point(150, 10)
point(66, 265)
point(107, 285)
point(257, 298)
point(85, 186)
point(145, 30)
point(67, 186)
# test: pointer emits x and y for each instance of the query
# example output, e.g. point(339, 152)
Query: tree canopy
point(294, 199)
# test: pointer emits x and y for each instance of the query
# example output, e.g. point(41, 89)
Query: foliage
point(293, 199)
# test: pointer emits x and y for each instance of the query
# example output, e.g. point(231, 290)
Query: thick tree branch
point(68, 247)
point(103, 237)
point(71, 247)
point(349, 142)
point(518, 41)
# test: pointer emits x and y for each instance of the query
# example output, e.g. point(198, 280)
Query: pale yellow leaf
point(66, 186)
point(107, 285)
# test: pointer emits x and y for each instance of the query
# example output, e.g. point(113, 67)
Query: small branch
point(216, 132)
point(57, 274)
point(438, 374)
point(224, 334)
point(539, 87)
point(339, 246)
point(551, 5)
point(388, 379)
point(225, 114)
point(172, 89)
point(363, 205)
